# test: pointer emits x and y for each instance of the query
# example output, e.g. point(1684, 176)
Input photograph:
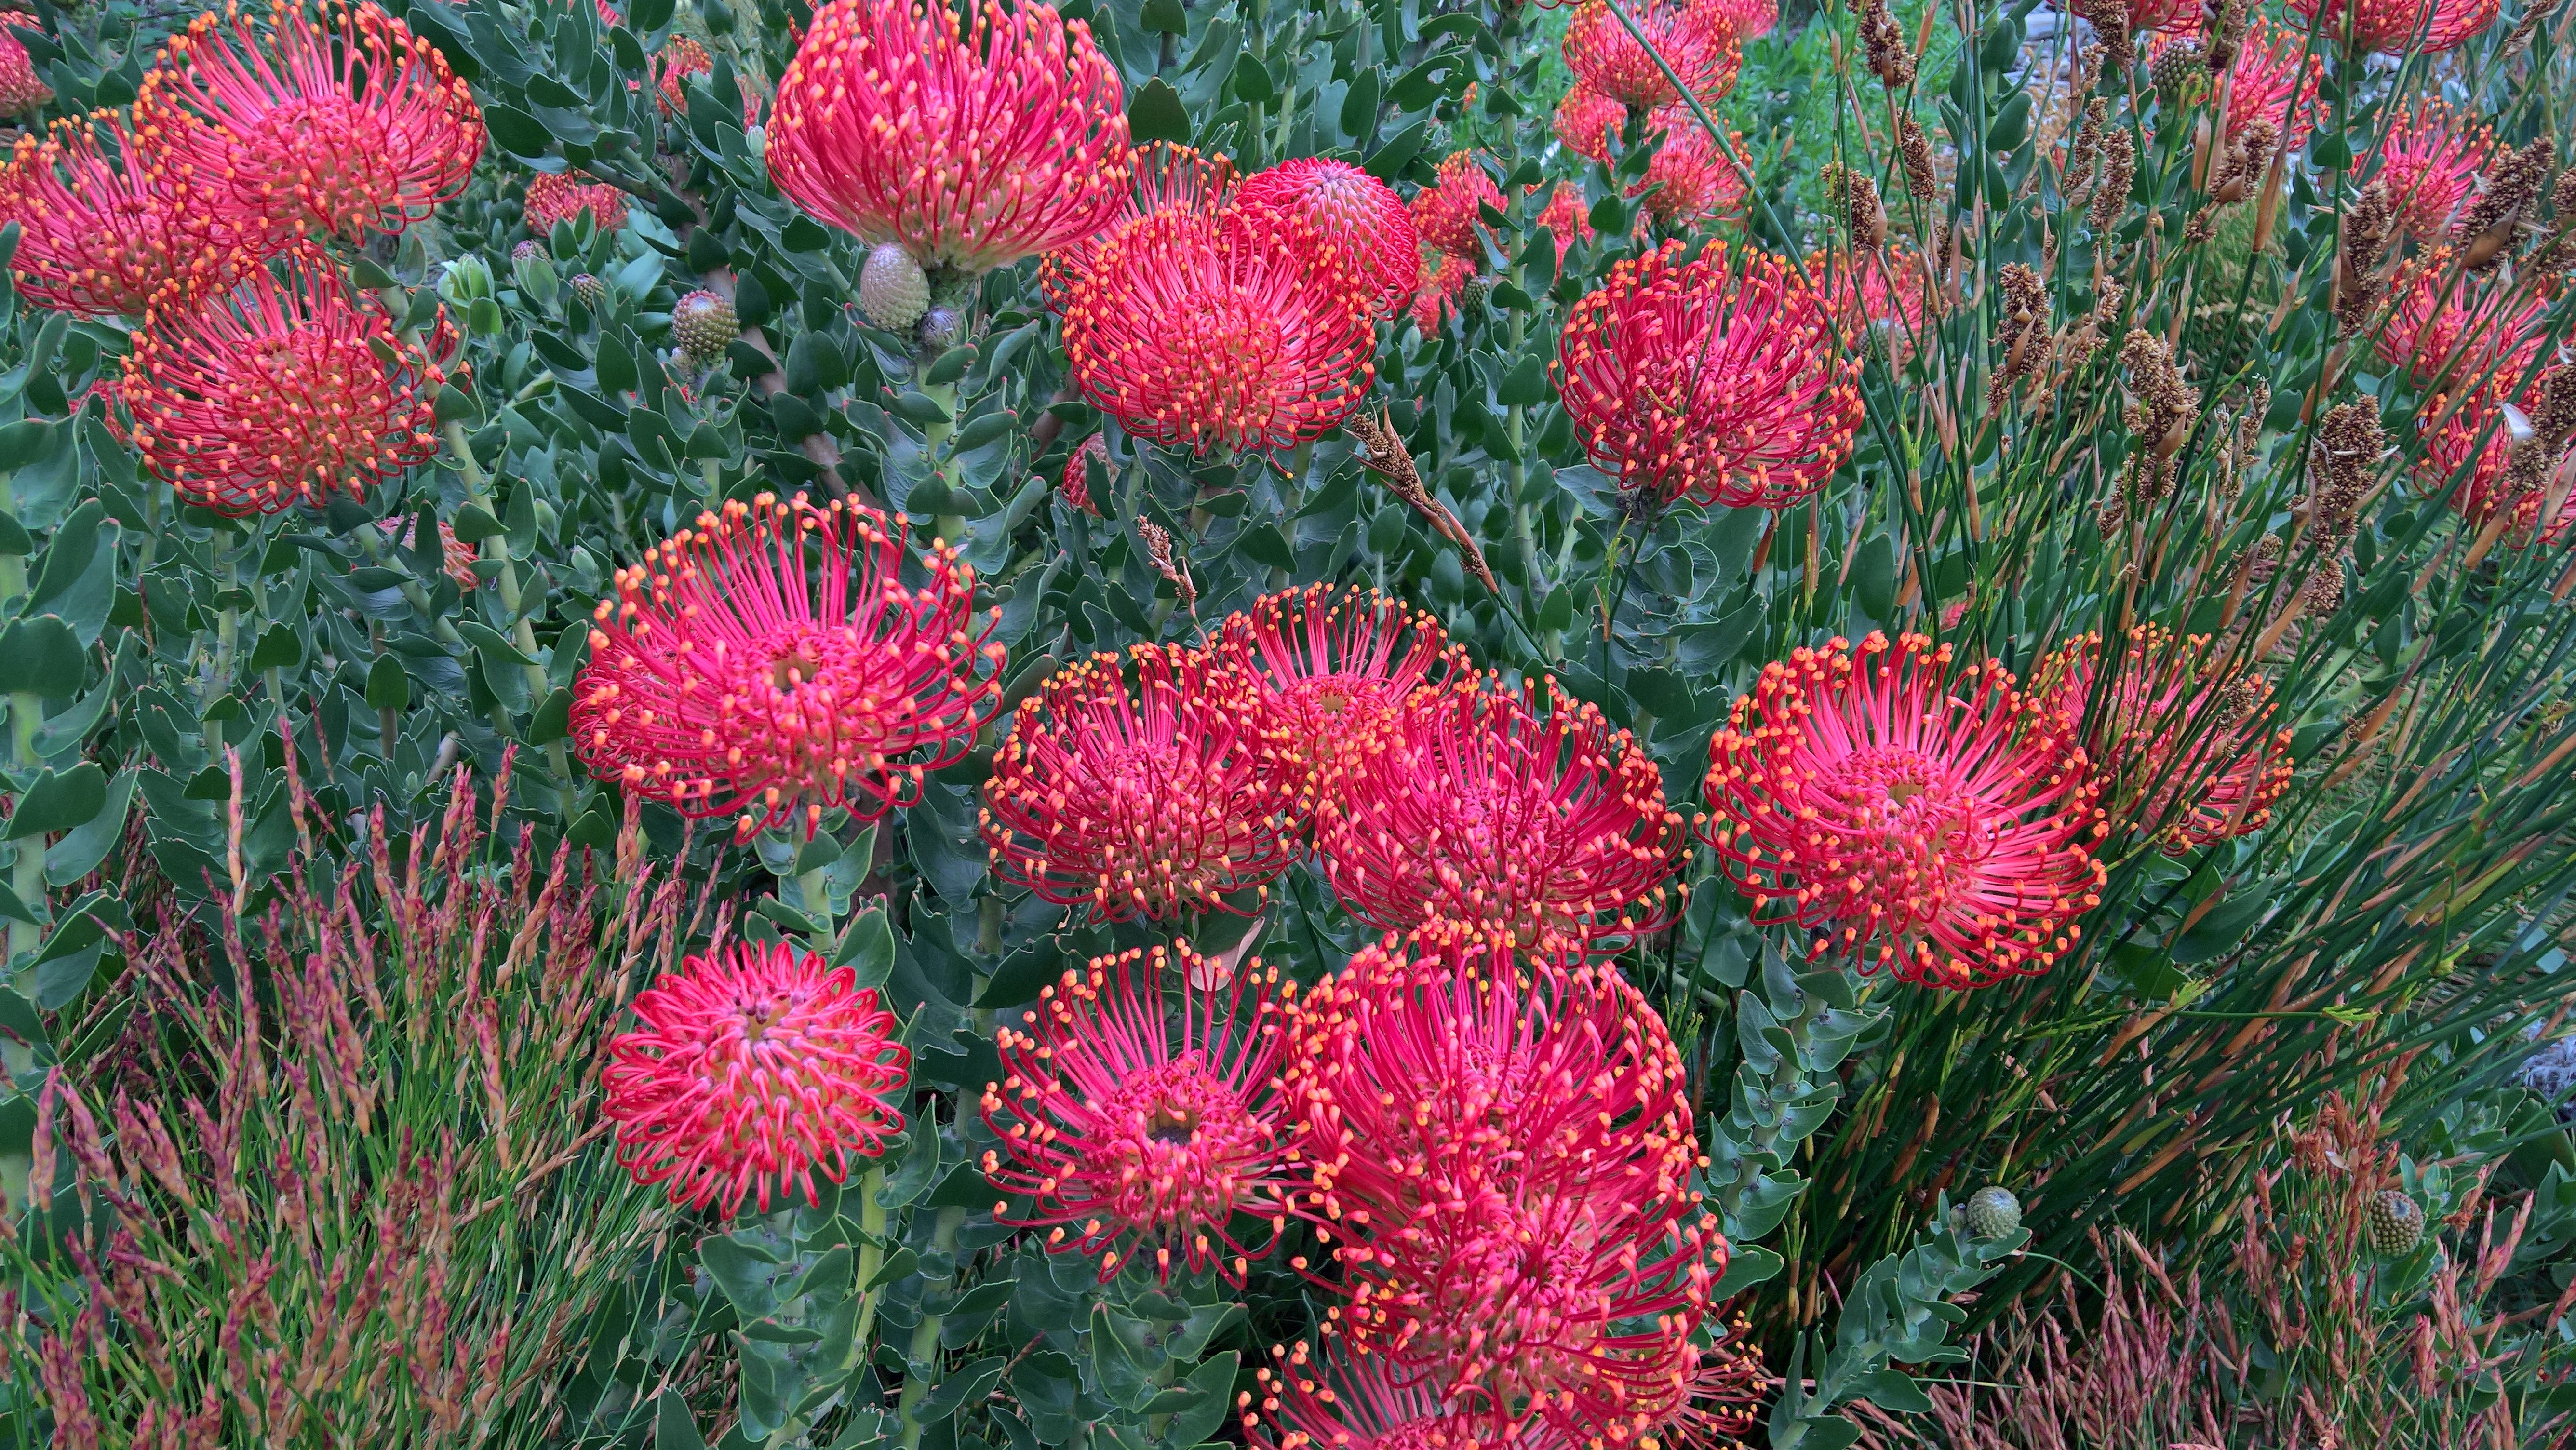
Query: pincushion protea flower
point(973, 144)
point(21, 89)
point(1219, 334)
point(1446, 214)
point(2430, 160)
point(1151, 801)
point(1935, 821)
point(1587, 122)
point(1076, 483)
point(2468, 459)
point(1566, 218)
point(2400, 26)
point(2451, 329)
point(1691, 178)
point(1360, 1402)
point(1748, 18)
point(1503, 1155)
point(2274, 79)
point(456, 557)
point(1523, 812)
point(1164, 178)
point(681, 59)
point(1356, 214)
point(1880, 293)
point(98, 236)
point(770, 663)
point(2184, 745)
point(755, 1070)
point(1437, 299)
point(1697, 41)
point(286, 390)
point(1140, 1110)
point(1711, 379)
point(334, 122)
point(561, 196)
point(1334, 668)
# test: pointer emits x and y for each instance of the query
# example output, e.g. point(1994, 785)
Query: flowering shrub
point(950, 725)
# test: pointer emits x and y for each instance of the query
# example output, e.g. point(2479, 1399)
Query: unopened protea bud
point(2396, 1222)
point(467, 278)
point(942, 328)
point(589, 289)
point(1992, 1212)
point(1475, 289)
point(526, 249)
point(893, 290)
point(703, 323)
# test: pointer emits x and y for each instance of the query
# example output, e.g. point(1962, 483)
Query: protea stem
point(522, 633)
point(925, 1339)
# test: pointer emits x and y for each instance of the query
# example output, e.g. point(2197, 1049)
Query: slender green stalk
point(925, 1340)
point(522, 633)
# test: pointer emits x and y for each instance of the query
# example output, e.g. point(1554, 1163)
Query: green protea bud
point(893, 290)
point(589, 289)
point(1992, 1212)
point(526, 249)
point(466, 278)
point(1476, 289)
point(703, 323)
point(941, 329)
point(2396, 1223)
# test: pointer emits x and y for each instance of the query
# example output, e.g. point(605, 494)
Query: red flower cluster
point(2468, 460)
point(2429, 161)
point(1141, 1110)
point(755, 1071)
point(1696, 39)
point(2400, 26)
point(2182, 742)
point(21, 89)
point(456, 557)
point(1336, 668)
point(681, 59)
point(1437, 300)
point(972, 144)
point(1881, 293)
point(1446, 214)
point(1164, 177)
point(1710, 378)
point(288, 389)
point(2274, 79)
point(560, 196)
point(99, 236)
point(1691, 178)
point(771, 663)
point(1566, 218)
point(1931, 820)
point(1588, 122)
point(1076, 483)
point(2451, 329)
point(1354, 213)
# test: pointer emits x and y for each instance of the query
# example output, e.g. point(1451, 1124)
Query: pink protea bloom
point(456, 557)
point(2400, 26)
point(1697, 41)
point(755, 1071)
point(1748, 18)
point(1520, 811)
point(1437, 299)
point(561, 196)
point(2274, 79)
point(21, 89)
point(2454, 330)
point(1930, 820)
point(2429, 162)
point(2187, 748)
point(970, 144)
point(1167, 797)
point(2467, 460)
point(1714, 380)
point(335, 122)
point(1220, 335)
point(1140, 1110)
point(1356, 214)
point(1335, 667)
point(100, 236)
point(1566, 218)
point(1164, 177)
point(1881, 293)
point(1690, 179)
point(288, 389)
point(681, 59)
point(1076, 482)
point(1340, 1401)
point(1588, 122)
point(770, 663)
point(1446, 214)
point(1502, 1156)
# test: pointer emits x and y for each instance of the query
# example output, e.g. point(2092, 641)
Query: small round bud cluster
point(703, 323)
point(1991, 1212)
point(2396, 1222)
point(893, 290)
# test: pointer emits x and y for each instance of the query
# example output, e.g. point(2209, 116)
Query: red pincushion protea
point(1224, 334)
point(681, 59)
point(1690, 179)
point(1712, 380)
point(755, 1070)
point(1504, 1159)
point(337, 123)
point(2430, 161)
point(1076, 483)
point(1436, 300)
point(1482, 806)
point(1697, 41)
point(1566, 218)
point(1164, 178)
point(455, 555)
point(2274, 79)
point(561, 196)
point(98, 237)
point(1141, 1110)
point(972, 145)
point(2450, 329)
point(1356, 214)
point(1881, 294)
point(1151, 801)
point(2400, 26)
point(1446, 214)
point(2467, 460)
point(21, 89)
point(1335, 667)
point(1588, 122)
point(1935, 821)
point(1361, 1402)
point(1748, 18)
point(771, 663)
point(279, 393)
point(2185, 747)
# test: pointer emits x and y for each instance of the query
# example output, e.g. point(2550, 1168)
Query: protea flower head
point(2454, 330)
point(1139, 1108)
point(1336, 1400)
point(1335, 667)
point(1164, 177)
point(1230, 334)
point(2469, 459)
point(2273, 80)
point(561, 196)
point(755, 1070)
point(456, 557)
point(2399, 26)
point(682, 58)
point(1445, 214)
point(973, 143)
point(1444, 284)
point(1566, 218)
point(1691, 178)
point(21, 89)
point(1522, 811)
point(334, 120)
point(287, 389)
point(1748, 18)
point(1076, 482)
point(101, 236)
point(770, 663)
point(1880, 293)
point(2184, 744)
point(1710, 378)
point(1163, 797)
point(2430, 160)
point(1502, 1154)
point(1927, 818)
point(1697, 41)
point(1587, 122)
point(1357, 215)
